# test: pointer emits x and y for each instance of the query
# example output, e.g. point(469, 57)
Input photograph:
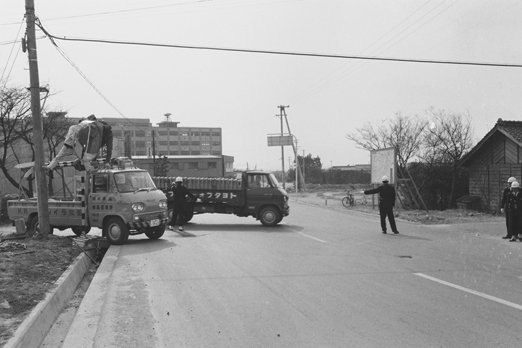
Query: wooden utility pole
point(42, 196)
point(281, 111)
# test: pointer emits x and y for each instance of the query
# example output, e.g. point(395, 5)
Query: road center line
point(489, 297)
point(317, 239)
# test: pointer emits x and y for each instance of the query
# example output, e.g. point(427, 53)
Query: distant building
point(191, 151)
point(365, 168)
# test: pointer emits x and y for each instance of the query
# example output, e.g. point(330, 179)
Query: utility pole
point(298, 169)
point(42, 198)
point(281, 111)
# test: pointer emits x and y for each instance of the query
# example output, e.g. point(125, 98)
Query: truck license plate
point(154, 222)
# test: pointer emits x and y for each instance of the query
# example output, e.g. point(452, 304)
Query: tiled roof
point(513, 128)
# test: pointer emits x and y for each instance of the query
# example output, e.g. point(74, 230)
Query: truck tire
point(187, 216)
point(155, 232)
point(33, 228)
point(79, 230)
point(116, 231)
point(270, 216)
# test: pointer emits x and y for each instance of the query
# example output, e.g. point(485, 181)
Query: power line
point(9, 58)
point(301, 54)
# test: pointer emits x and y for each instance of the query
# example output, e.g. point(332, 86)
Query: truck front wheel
point(155, 232)
point(270, 216)
point(116, 231)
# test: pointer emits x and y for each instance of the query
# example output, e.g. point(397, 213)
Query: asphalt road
point(322, 278)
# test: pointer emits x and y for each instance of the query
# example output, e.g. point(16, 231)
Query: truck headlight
point(163, 204)
point(137, 207)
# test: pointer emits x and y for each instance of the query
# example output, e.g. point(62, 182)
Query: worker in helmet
point(386, 203)
point(514, 203)
point(503, 205)
point(176, 200)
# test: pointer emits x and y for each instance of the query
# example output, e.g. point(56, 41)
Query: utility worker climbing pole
point(92, 139)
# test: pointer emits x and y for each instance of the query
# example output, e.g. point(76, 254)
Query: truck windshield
point(133, 181)
point(274, 181)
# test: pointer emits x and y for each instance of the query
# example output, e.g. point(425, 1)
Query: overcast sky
point(241, 92)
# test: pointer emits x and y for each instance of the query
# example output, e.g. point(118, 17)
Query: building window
point(195, 153)
point(216, 143)
point(184, 143)
point(184, 133)
point(205, 143)
point(174, 166)
point(163, 153)
point(139, 144)
point(212, 165)
point(163, 143)
point(185, 153)
point(195, 143)
point(117, 133)
point(216, 133)
point(205, 153)
point(173, 132)
point(139, 134)
point(216, 153)
point(174, 152)
point(141, 153)
point(194, 134)
point(162, 133)
point(175, 143)
point(193, 165)
point(205, 134)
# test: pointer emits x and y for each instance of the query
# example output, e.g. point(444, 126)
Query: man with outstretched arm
point(386, 203)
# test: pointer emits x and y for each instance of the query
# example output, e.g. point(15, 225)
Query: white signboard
point(383, 162)
point(280, 140)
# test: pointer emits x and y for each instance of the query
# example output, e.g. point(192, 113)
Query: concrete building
point(138, 135)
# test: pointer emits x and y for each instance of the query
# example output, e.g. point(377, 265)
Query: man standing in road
point(514, 202)
point(386, 203)
point(503, 206)
point(176, 199)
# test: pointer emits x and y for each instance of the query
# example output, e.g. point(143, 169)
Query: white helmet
point(515, 184)
point(179, 179)
point(385, 179)
point(512, 179)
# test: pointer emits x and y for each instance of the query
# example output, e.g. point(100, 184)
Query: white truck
point(120, 199)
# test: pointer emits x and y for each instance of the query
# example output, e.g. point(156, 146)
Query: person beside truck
point(177, 201)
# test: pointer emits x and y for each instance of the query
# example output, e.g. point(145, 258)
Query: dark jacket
point(176, 196)
point(514, 203)
point(386, 195)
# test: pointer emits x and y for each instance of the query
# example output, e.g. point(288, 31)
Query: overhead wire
point(9, 57)
point(327, 80)
point(286, 53)
point(64, 55)
point(358, 65)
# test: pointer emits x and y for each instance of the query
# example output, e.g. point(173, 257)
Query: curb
point(84, 327)
point(36, 326)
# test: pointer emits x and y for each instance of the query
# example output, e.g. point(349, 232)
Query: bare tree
point(402, 132)
point(16, 131)
point(15, 112)
point(447, 140)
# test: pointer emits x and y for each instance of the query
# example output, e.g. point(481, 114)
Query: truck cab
point(265, 197)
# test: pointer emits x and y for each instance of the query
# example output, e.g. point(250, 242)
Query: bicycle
point(349, 200)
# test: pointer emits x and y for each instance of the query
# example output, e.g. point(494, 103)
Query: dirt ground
point(29, 268)
point(363, 203)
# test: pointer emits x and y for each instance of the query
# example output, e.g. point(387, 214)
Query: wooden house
point(492, 161)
